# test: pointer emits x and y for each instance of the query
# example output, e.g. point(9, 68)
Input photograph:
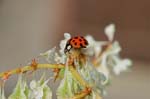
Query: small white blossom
point(94, 47)
point(50, 54)
point(103, 67)
point(62, 45)
point(53, 57)
point(121, 65)
point(111, 58)
point(67, 35)
point(37, 90)
point(33, 84)
point(110, 31)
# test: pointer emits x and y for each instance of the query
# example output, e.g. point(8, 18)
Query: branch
point(34, 66)
point(78, 77)
point(96, 62)
point(87, 87)
point(5, 75)
point(86, 92)
point(80, 96)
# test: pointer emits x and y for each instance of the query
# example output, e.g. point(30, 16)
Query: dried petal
point(110, 31)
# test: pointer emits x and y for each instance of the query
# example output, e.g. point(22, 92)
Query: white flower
point(114, 50)
point(50, 54)
point(110, 31)
point(121, 65)
point(33, 84)
point(62, 44)
point(40, 90)
point(115, 61)
point(111, 58)
point(94, 47)
point(103, 67)
point(36, 90)
point(62, 57)
point(53, 57)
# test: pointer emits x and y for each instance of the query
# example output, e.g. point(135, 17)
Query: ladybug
point(76, 42)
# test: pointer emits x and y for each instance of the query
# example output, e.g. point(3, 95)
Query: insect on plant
point(82, 66)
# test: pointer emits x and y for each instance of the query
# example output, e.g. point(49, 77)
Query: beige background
point(28, 27)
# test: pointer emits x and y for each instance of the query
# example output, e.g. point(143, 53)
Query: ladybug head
point(67, 48)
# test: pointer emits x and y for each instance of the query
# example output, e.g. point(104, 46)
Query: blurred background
point(29, 27)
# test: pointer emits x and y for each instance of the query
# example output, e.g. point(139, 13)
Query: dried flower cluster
point(83, 73)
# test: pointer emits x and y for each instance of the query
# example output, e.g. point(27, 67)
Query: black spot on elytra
point(80, 40)
point(73, 40)
point(86, 43)
point(75, 43)
point(84, 40)
point(81, 44)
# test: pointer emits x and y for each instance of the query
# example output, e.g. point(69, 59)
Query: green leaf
point(2, 95)
point(47, 93)
point(68, 86)
point(20, 91)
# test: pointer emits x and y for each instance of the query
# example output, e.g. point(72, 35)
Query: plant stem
point(42, 66)
point(78, 77)
point(80, 96)
point(30, 68)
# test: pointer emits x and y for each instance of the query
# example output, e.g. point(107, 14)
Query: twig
point(29, 68)
point(78, 77)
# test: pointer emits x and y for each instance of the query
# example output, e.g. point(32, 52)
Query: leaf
point(68, 86)
point(47, 93)
point(20, 90)
point(2, 95)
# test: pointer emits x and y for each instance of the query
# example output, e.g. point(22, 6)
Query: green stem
point(80, 96)
point(78, 77)
point(30, 68)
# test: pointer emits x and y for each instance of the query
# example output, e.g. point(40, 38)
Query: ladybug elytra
point(76, 42)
